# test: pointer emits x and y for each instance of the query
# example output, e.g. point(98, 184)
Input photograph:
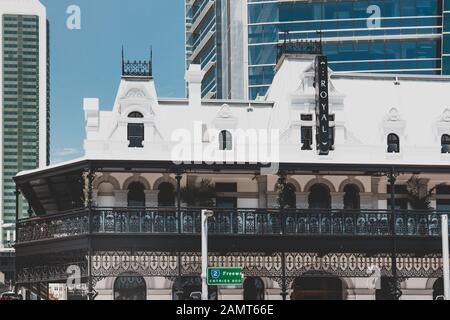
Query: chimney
point(194, 77)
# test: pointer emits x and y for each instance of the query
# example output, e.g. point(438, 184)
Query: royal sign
point(322, 106)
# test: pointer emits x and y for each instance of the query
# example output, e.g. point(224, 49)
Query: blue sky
point(87, 62)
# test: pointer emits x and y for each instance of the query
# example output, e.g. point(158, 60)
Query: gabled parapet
point(91, 114)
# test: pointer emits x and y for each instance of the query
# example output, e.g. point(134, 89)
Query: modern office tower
point(215, 40)
point(24, 96)
point(376, 36)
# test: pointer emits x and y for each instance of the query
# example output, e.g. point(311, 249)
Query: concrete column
point(272, 199)
point(337, 200)
point(366, 200)
point(360, 289)
point(375, 188)
point(302, 200)
point(121, 198)
point(262, 191)
point(95, 197)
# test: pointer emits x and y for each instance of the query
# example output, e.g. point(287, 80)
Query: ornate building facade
point(330, 187)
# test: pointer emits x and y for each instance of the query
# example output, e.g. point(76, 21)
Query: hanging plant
point(87, 180)
point(201, 195)
point(418, 196)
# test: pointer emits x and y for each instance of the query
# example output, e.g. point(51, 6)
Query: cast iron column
point(17, 193)
point(91, 291)
point(178, 177)
point(395, 290)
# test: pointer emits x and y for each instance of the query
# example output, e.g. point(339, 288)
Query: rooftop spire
point(137, 68)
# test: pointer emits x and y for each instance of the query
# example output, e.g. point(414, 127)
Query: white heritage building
point(333, 238)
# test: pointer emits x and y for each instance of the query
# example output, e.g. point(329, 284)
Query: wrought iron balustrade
point(53, 227)
point(297, 222)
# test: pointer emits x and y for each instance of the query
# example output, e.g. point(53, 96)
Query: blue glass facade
point(202, 45)
point(383, 36)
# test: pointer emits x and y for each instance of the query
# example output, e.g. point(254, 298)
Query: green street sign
point(224, 276)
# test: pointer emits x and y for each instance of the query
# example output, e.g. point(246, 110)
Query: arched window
point(445, 143)
point(438, 288)
point(135, 131)
point(319, 197)
point(130, 287)
point(253, 289)
point(351, 197)
point(136, 195)
point(225, 140)
point(166, 195)
point(290, 197)
point(393, 142)
point(135, 114)
point(105, 196)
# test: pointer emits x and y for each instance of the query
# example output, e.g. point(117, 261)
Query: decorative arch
point(145, 111)
point(136, 178)
point(135, 93)
point(320, 180)
point(130, 286)
point(106, 177)
point(163, 179)
point(354, 181)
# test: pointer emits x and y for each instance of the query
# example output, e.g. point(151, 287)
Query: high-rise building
point(376, 36)
point(24, 96)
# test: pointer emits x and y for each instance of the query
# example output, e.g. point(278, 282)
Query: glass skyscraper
point(24, 100)
point(381, 36)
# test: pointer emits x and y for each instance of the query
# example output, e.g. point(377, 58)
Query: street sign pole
point(445, 256)
point(205, 215)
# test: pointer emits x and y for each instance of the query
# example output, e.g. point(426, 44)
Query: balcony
point(170, 222)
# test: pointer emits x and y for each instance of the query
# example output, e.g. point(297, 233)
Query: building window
point(307, 138)
point(393, 142)
point(135, 115)
point(445, 143)
point(443, 198)
point(225, 140)
point(166, 195)
point(253, 289)
point(401, 197)
point(319, 197)
point(351, 197)
point(136, 195)
point(135, 135)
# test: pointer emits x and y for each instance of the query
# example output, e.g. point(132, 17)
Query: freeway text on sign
point(224, 276)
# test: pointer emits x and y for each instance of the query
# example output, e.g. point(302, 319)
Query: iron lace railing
point(358, 223)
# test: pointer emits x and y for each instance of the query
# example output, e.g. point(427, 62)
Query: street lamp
point(445, 256)
point(205, 215)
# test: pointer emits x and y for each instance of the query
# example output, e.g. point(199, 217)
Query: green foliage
point(418, 195)
point(201, 195)
point(284, 191)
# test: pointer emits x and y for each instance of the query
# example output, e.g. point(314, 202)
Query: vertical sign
point(322, 106)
